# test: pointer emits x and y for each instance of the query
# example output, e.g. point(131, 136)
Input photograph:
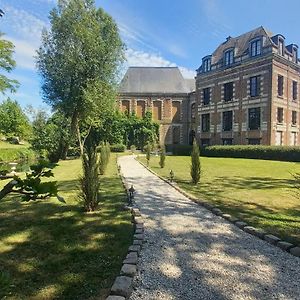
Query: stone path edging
point(122, 286)
point(272, 239)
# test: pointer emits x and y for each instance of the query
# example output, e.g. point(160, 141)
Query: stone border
point(272, 239)
point(123, 284)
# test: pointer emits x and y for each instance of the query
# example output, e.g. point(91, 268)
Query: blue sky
point(157, 32)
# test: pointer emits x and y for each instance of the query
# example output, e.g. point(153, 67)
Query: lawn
point(50, 250)
point(259, 192)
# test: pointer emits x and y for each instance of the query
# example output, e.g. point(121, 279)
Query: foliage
point(121, 128)
point(162, 157)
point(79, 58)
point(14, 154)
point(51, 136)
point(132, 149)
point(282, 153)
point(13, 121)
point(181, 150)
point(195, 166)
point(7, 64)
point(104, 157)
point(89, 181)
point(5, 284)
point(32, 187)
point(148, 153)
point(117, 148)
point(297, 183)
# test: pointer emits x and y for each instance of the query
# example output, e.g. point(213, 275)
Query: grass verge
point(50, 250)
point(260, 192)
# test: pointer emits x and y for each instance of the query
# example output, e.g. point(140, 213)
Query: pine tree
point(148, 153)
point(195, 167)
point(162, 157)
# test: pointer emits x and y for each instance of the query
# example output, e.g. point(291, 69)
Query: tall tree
point(7, 64)
point(195, 159)
point(78, 61)
point(82, 50)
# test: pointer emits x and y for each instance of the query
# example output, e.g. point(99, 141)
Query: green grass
point(259, 192)
point(20, 153)
point(6, 145)
point(50, 250)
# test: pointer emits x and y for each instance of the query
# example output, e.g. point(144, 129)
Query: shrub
point(148, 153)
point(282, 153)
point(117, 148)
point(162, 157)
point(180, 150)
point(132, 148)
point(195, 167)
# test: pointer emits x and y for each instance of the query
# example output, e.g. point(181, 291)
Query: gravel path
point(192, 254)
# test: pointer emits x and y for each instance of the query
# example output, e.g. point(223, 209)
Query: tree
point(162, 158)
point(82, 50)
point(195, 167)
point(148, 153)
point(7, 64)
point(13, 121)
point(78, 61)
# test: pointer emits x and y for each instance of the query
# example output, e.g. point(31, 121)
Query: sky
point(156, 32)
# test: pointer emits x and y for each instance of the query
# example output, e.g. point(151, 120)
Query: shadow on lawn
point(53, 250)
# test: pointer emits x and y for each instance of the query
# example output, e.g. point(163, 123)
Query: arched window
point(140, 108)
point(157, 110)
point(125, 106)
point(176, 111)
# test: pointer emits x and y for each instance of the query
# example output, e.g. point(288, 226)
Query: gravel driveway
point(192, 254)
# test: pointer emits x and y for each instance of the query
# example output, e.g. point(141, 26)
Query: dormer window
point(280, 47)
point(255, 48)
point(206, 63)
point(229, 57)
point(295, 54)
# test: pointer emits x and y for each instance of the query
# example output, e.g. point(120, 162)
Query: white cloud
point(144, 59)
point(24, 53)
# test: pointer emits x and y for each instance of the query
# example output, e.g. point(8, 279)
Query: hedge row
point(282, 153)
point(10, 155)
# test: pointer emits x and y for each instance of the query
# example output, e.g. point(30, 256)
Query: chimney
point(228, 38)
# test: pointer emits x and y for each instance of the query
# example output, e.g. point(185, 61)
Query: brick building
point(166, 94)
point(247, 92)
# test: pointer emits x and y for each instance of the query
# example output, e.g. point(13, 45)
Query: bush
point(281, 153)
point(181, 150)
point(162, 158)
point(117, 148)
point(195, 166)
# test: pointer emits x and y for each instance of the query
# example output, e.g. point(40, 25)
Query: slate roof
point(155, 80)
point(241, 43)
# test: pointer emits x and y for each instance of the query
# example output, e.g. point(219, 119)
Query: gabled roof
point(155, 80)
point(241, 43)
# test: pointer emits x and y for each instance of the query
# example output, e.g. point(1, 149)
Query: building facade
point(166, 94)
point(247, 92)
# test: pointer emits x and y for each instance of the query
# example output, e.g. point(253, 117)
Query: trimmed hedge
point(117, 148)
point(12, 154)
point(180, 150)
point(282, 153)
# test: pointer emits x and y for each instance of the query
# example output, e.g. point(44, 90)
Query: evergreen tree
point(162, 157)
point(148, 153)
point(195, 167)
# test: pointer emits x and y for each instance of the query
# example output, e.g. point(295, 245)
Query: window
point(294, 117)
point(280, 47)
point(156, 110)
point(140, 108)
point(176, 135)
point(206, 64)
point(205, 122)
point(254, 86)
point(280, 85)
point(125, 106)
point(295, 55)
point(253, 141)
point(228, 91)
point(254, 118)
point(229, 57)
point(227, 141)
point(279, 115)
point(255, 48)
point(193, 111)
point(295, 90)
point(227, 120)
point(176, 111)
point(204, 142)
point(206, 96)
